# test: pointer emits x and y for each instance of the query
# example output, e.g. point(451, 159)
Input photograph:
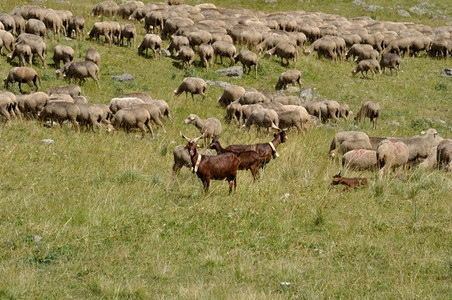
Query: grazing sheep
point(22, 75)
point(357, 49)
point(234, 112)
point(154, 112)
point(76, 25)
point(330, 110)
point(419, 146)
point(224, 49)
point(230, 94)
point(186, 55)
point(93, 55)
point(444, 154)
point(248, 109)
point(36, 27)
point(391, 61)
point(80, 70)
point(210, 128)
point(7, 101)
point(251, 97)
point(361, 159)
point(367, 54)
point(285, 51)
point(150, 41)
point(37, 45)
point(344, 111)
point(80, 100)
point(205, 52)
point(142, 95)
point(62, 53)
point(314, 108)
point(61, 98)
point(177, 42)
point(106, 8)
point(60, 112)
point(54, 22)
point(31, 105)
point(72, 90)
point(164, 108)
point(370, 110)
point(182, 158)
point(119, 103)
point(366, 65)
point(288, 100)
point(22, 51)
point(349, 140)
point(153, 20)
point(288, 77)
point(7, 41)
point(192, 85)
point(102, 28)
point(248, 59)
point(391, 154)
point(91, 115)
point(129, 118)
point(294, 118)
point(262, 118)
point(129, 32)
point(430, 162)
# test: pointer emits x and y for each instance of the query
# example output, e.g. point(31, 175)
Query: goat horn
point(339, 174)
point(183, 136)
point(275, 127)
point(196, 139)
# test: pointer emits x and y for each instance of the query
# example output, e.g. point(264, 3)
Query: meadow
point(98, 215)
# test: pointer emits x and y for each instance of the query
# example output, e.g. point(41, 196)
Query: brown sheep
point(22, 75)
point(366, 65)
point(370, 110)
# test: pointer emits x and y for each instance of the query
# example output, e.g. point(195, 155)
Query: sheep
point(102, 28)
point(117, 104)
point(31, 105)
point(366, 65)
point(367, 54)
point(344, 111)
point(54, 22)
point(444, 154)
point(247, 109)
point(430, 162)
point(36, 27)
point(93, 55)
point(80, 70)
point(187, 55)
point(7, 40)
point(77, 25)
point(155, 114)
point(262, 118)
point(391, 61)
point(128, 118)
point(192, 85)
point(150, 41)
point(72, 90)
point(129, 32)
point(248, 59)
point(294, 118)
point(61, 111)
point(142, 95)
point(8, 106)
point(391, 154)
point(252, 98)
point(22, 75)
point(210, 128)
point(361, 159)
point(330, 110)
point(62, 53)
point(288, 100)
point(289, 77)
point(61, 98)
point(224, 49)
point(349, 140)
point(357, 49)
point(80, 100)
point(205, 52)
point(284, 51)
point(234, 112)
point(314, 108)
point(177, 42)
point(419, 146)
point(37, 45)
point(22, 51)
point(153, 20)
point(230, 94)
point(182, 158)
point(370, 110)
point(199, 37)
point(91, 115)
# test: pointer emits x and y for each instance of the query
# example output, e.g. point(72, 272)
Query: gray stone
point(446, 73)
point(67, 38)
point(435, 120)
point(331, 125)
point(393, 123)
point(372, 8)
point(359, 2)
point(48, 141)
point(426, 4)
point(37, 238)
point(293, 89)
point(403, 13)
point(222, 84)
point(234, 72)
point(165, 52)
point(270, 1)
point(123, 77)
point(307, 95)
point(420, 11)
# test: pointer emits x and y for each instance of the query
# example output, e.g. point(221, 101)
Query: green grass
point(115, 223)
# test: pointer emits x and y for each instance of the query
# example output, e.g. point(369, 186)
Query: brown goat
point(249, 160)
point(223, 166)
point(351, 183)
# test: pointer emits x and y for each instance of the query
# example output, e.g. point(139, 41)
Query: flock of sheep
point(214, 32)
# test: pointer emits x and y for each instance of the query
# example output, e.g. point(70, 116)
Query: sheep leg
point(148, 125)
point(143, 130)
point(6, 114)
point(176, 168)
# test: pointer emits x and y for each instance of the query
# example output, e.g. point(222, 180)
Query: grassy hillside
point(99, 215)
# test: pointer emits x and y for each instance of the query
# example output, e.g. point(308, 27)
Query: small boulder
point(446, 73)
point(222, 84)
point(123, 77)
point(393, 123)
point(307, 95)
point(233, 72)
point(293, 89)
point(48, 141)
point(403, 13)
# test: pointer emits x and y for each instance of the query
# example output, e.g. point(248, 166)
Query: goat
point(249, 160)
point(349, 182)
point(223, 166)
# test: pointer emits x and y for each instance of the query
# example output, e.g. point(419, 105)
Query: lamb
point(93, 55)
point(31, 105)
point(370, 110)
point(206, 52)
point(22, 51)
point(129, 118)
point(117, 104)
point(154, 112)
point(289, 77)
point(62, 53)
point(72, 90)
point(22, 75)
point(192, 85)
point(230, 94)
point(210, 128)
point(248, 59)
point(361, 159)
point(60, 112)
point(262, 118)
point(366, 65)
point(224, 49)
point(150, 41)
point(284, 51)
point(182, 158)
point(444, 154)
point(349, 182)
point(187, 55)
point(391, 61)
point(349, 140)
point(391, 154)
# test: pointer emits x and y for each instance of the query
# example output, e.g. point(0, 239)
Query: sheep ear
point(183, 136)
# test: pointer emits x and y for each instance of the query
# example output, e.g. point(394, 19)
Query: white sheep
point(361, 159)
point(349, 140)
point(391, 154)
point(192, 85)
point(210, 128)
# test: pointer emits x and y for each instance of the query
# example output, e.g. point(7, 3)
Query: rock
point(435, 120)
point(270, 1)
point(307, 95)
point(165, 52)
point(420, 11)
point(331, 125)
point(446, 73)
point(285, 196)
point(393, 123)
point(67, 38)
point(403, 13)
point(48, 141)
point(123, 77)
point(37, 238)
point(222, 84)
point(426, 4)
point(234, 72)
point(293, 89)
point(372, 8)
point(359, 2)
